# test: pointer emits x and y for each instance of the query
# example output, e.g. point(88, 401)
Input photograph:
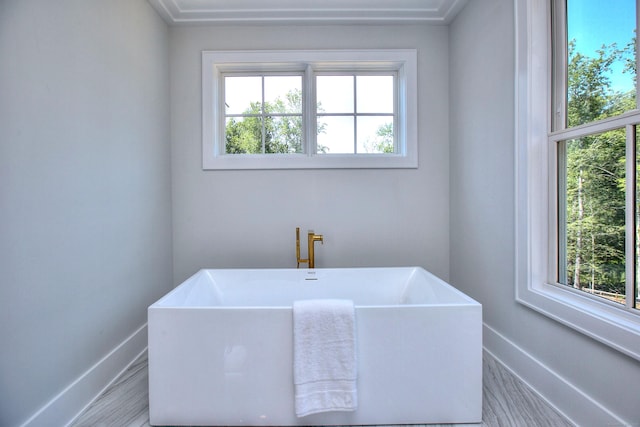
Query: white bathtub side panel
point(219, 367)
point(421, 365)
point(234, 367)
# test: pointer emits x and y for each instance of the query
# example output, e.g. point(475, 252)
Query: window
point(594, 137)
point(309, 109)
point(577, 120)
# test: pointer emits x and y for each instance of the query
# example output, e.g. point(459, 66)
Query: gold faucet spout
point(312, 238)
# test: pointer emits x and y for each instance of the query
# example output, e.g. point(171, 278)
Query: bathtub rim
point(466, 300)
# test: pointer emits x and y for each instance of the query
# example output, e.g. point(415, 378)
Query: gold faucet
point(312, 238)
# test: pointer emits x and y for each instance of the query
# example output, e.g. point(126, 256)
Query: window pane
point(243, 95)
point(338, 135)
point(283, 94)
point(375, 134)
point(593, 189)
point(601, 59)
point(374, 94)
point(283, 134)
point(243, 135)
point(334, 94)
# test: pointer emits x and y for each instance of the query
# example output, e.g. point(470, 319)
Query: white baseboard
point(567, 399)
point(68, 404)
point(572, 402)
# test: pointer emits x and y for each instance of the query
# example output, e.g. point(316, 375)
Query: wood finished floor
point(507, 401)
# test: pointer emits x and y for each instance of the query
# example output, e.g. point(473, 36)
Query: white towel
point(324, 356)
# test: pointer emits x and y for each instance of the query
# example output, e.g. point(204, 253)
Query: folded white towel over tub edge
point(324, 370)
point(324, 396)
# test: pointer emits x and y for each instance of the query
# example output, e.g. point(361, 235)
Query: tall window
point(309, 109)
point(576, 167)
point(594, 134)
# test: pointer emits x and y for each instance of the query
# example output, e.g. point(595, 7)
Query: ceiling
point(182, 12)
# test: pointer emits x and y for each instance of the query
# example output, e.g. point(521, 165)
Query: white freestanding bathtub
point(221, 348)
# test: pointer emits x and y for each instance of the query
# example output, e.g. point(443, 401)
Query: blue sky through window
point(593, 23)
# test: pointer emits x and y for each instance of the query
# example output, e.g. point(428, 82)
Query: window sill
point(599, 320)
point(301, 161)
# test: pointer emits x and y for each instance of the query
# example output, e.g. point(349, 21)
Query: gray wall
point(85, 241)
point(368, 217)
point(483, 213)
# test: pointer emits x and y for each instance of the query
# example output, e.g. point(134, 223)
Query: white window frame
point(536, 233)
point(402, 61)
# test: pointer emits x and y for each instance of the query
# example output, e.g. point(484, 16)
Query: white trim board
point(570, 401)
point(203, 12)
point(70, 402)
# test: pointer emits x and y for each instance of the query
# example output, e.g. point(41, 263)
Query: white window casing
point(536, 217)
point(400, 61)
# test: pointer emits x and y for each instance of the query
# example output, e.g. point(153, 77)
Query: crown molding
point(201, 12)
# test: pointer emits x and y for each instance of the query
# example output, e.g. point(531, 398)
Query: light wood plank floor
point(507, 401)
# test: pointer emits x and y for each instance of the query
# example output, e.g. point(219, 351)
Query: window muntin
point(594, 83)
point(369, 128)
